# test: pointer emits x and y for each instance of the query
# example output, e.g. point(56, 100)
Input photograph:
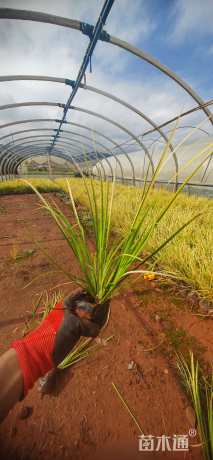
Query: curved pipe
point(158, 139)
point(9, 13)
point(89, 153)
point(206, 169)
point(29, 155)
point(101, 145)
point(181, 115)
point(30, 104)
point(53, 104)
point(97, 91)
point(20, 148)
point(60, 155)
point(74, 141)
point(32, 120)
point(95, 114)
point(28, 120)
point(45, 143)
point(14, 133)
point(9, 167)
point(209, 172)
point(15, 166)
point(58, 141)
point(89, 112)
point(155, 63)
point(32, 144)
point(71, 133)
point(191, 127)
point(138, 112)
point(10, 161)
point(15, 141)
point(37, 120)
point(12, 155)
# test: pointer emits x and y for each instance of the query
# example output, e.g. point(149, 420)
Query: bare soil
point(84, 418)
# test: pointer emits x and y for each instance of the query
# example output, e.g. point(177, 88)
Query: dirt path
point(84, 418)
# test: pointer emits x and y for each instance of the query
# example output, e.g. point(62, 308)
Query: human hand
point(46, 346)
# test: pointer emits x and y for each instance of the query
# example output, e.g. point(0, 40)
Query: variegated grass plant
point(127, 408)
point(105, 267)
point(201, 394)
point(82, 350)
point(50, 302)
point(39, 313)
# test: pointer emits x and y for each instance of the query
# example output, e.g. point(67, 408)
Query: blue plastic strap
point(69, 82)
point(87, 29)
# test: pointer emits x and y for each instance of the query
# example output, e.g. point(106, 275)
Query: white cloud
point(41, 49)
point(80, 9)
point(134, 27)
point(191, 17)
point(210, 50)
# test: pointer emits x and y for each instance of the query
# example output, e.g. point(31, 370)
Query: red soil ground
point(83, 418)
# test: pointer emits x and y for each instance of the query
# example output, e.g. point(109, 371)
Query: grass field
point(189, 256)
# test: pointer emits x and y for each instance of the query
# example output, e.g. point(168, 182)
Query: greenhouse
point(106, 165)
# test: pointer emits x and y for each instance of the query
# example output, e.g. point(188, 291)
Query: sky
point(178, 33)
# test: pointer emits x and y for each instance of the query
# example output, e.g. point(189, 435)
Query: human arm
point(11, 382)
point(43, 349)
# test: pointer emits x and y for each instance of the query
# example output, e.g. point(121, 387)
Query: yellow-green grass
point(189, 256)
point(18, 186)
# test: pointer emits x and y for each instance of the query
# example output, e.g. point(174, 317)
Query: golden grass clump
point(189, 255)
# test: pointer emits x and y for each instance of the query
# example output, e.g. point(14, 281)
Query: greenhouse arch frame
point(57, 143)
